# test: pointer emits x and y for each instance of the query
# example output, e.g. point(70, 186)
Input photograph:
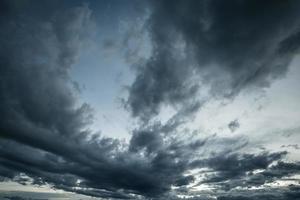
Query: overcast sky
point(141, 99)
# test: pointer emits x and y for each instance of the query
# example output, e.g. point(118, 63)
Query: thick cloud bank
point(228, 46)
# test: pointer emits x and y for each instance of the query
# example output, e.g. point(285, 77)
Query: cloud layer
point(224, 46)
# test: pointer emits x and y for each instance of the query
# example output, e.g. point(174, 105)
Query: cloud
point(234, 125)
point(281, 169)
point(44, 129)
point(20, 198)
point(231, 170)
point(294, 146)
point(288, 193)
point(222, 47)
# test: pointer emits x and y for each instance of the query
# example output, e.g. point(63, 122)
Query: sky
point(149, 100)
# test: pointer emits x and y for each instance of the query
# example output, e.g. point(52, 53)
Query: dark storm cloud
point(44, 130)
point(281, 169)
point(224, 46)
point(247, 170)
point(43, 127)
point(149, 175)
point(229, 170)
point(212, 49)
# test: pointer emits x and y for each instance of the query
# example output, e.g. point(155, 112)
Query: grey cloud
point(212, 49)
point(149, 175)
point(234, 125)
point(281, 169)
point(294, 146)
point(288, 193)
point(147, 139)
point(224, 46)
point(20, 198)
point(236, 170)
point(44, 132)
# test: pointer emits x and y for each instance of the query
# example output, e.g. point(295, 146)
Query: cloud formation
point(234, 125)
point(226, 46)
point(44, 129)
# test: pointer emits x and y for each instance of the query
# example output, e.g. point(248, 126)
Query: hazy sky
point(141, 99)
